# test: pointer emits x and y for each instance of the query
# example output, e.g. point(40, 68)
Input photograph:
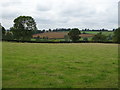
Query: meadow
point(95, 32)
point(73, 65)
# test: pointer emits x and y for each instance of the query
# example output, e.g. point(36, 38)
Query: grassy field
point(95, 32)
point(80, 65)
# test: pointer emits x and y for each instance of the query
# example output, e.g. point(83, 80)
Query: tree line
point(25, 26)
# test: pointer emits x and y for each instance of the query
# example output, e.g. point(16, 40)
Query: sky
point(51, 14)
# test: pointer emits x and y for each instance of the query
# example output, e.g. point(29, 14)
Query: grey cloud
point(44, 21)
point(63, 13)
point(42, 8)
point(51, 21)
point(8, 3)
point(9, 14)
point(78, 13)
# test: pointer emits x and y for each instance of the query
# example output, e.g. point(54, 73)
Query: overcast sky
point(92, 14)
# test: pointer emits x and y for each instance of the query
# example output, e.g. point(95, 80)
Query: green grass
point(82, 65)
point(95, 32)
point(90, 32)
point(106, 33)
point(54, 40)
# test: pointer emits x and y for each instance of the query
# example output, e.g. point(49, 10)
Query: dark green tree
point(50, 30)
point(8, 36)
point(24, 27)
point(99, 37)
point(85, 39)
point(0, 32)
point(74, 34)
point(84, 32)
point(3, 31)
point(116, 36)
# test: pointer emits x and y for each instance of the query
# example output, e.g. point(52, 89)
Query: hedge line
point(60, 41)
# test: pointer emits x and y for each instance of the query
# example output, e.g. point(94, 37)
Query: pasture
point(73, 65)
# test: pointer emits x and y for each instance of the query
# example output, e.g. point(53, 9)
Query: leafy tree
point(45, 37)
point(3, 31)
point(38, 38)
point(116, 36)
point(113, 30)
point(24, 27)
point(66, 37)
point(43, 31)
point(99, 37)
point(74, 34)
point(109, 37)
point(84, 32)
point(0, 32)
point(85, 39)
point(9, 36)
point(50, 30)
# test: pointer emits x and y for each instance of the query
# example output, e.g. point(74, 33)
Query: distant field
point(60, 35)
point(95, 32)
point(51, 35)
point(80, 65)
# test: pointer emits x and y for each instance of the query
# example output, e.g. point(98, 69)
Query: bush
point(85, 39)
point(8, 36)
point(116, 36)
point(99, 37)
point(74, 34)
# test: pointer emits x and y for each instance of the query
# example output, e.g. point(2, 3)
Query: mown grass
point(81, 65)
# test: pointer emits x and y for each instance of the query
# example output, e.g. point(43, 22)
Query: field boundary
point(60, 41)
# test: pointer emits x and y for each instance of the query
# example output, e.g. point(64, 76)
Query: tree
point(99, 37)
point(66, 37)
point(85, 39)
point(109, 37)
point(38, 38)
point(50, 30)
point(74, 34)
point(43, 30)
point(84, 32)
point(45, 38)
point(24, 27)
point(8, 36)
point(3, 32)
point(116, 36)
point(0, 32)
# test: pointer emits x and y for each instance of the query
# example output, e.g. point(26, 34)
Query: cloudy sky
point(92, 14)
